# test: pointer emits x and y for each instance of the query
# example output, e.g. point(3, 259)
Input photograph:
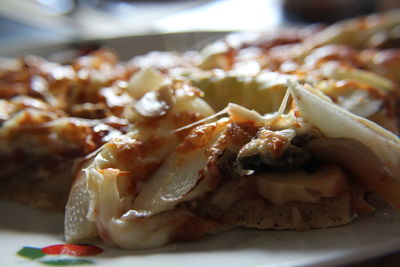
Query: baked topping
point(295, 149)
point(272, 150)
point(298, 185)
point(202, 172)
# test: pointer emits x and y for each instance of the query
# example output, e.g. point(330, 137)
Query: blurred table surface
point(27, 23)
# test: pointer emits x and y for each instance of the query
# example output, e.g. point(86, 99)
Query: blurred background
point(27, 23)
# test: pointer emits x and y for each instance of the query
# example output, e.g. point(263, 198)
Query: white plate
point(367, 237)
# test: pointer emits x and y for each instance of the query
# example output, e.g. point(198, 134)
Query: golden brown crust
point(262, 214)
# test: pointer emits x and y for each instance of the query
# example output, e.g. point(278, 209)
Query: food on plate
point(284, 130)
point(353, 62)
point(294, 170)
point(51, 114)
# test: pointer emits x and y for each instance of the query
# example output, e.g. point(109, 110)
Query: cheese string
point(281, 109)
point(219, 113)
point(283, 104)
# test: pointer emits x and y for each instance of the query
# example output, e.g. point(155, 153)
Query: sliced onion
point(180, 172)
point(334, 121)
point(76, 224)
point(360, 162)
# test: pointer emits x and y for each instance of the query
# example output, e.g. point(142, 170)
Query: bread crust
point(262, 214)
point(38, 181)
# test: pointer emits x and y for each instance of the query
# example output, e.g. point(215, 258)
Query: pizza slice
point(343, 60)
point(150, 176)
point(52, 114)
point(308, 168)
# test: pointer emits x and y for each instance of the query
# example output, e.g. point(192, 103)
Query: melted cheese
point(101, 201)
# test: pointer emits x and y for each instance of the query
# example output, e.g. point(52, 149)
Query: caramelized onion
point(180, 173)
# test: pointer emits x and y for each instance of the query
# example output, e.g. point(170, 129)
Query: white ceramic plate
point(367, 237)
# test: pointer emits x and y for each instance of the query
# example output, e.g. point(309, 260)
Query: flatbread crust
point(261, 214)
point(37, 184)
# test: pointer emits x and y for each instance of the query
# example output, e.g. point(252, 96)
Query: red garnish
point(72, 250)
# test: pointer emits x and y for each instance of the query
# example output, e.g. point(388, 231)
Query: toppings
point(42, 132)
point(155, 104)
point(342, 123)
point(180, 168)
point(363, 165)
point(101, 198)
point(298, 185)
point(222, 162)
point(268, 144)
point(222, 166)
point(272, 150)
point(144, 81)
point(180, 173)
point(384, 147)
